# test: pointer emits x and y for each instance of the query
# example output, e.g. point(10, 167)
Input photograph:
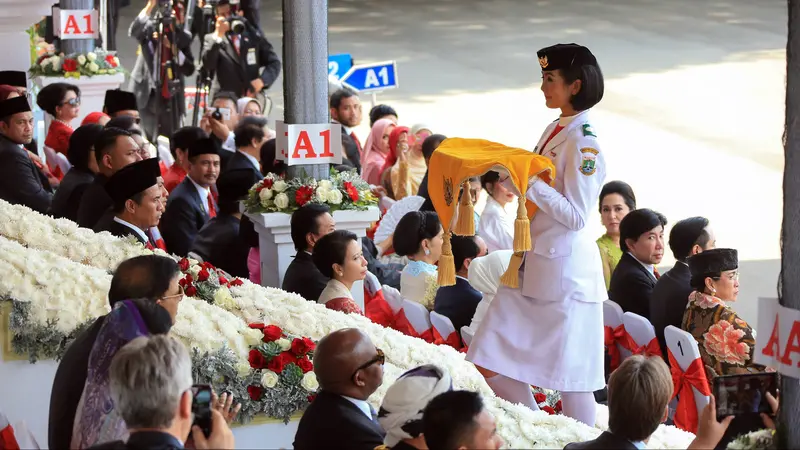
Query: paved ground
point(693, 111)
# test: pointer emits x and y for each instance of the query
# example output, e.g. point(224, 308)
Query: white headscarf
point(405, 400)
point(242, 103)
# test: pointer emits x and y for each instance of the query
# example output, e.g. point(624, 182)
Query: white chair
point(442, 324)
point(194, 255)
point(612, 317)
point(466, 335)
point(54, 159)
point(417, 316)
point(393, 298)
point(639, 328)
point(685, 350)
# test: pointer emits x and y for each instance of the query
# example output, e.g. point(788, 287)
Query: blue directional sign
point(372, 77)
point(338, 65)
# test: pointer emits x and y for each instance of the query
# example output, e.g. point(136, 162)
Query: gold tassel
point(511, 277)
point(522, 228)
point(447, 265)
point(465, 223)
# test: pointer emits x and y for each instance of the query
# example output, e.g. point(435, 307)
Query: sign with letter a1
point(308, 143)
point(778, 342)
point(76, 23)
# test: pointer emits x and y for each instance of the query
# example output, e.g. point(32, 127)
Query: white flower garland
point(518, 425)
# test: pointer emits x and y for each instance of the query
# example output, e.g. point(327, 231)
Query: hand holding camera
point(222, 27)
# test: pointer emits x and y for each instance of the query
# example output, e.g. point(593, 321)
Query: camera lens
point(217, 115)
point(237, 26)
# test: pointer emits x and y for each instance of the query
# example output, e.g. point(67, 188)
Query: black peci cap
point(14, 78)
point(565, 56)
point(118, 100)
point(203, 146)
point(133, 179)
point(14, 106)
point(233, 185)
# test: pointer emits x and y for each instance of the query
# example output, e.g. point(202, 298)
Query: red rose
point(203, 275)
point(255, 392)
point(257, 326)
point(110, 60)
point(183, 264)
point(301, 347)
point(351, 190)
point(278, 363)
point(305, 364)
point(237, 282)
point(558, 406)
point(272, 333)
point(303, 195)
point(549, 410)
point(70, 65)
point(191, 291)
point(311, 397)
point(207, 266)
point(539, 397)
point(223, 280)
point(268, 182)
point(256, 359)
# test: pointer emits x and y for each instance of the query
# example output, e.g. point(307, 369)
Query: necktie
point(374, 415)
point(358, 143)
point(655, 272)
point(212, 211)
point(235, 41)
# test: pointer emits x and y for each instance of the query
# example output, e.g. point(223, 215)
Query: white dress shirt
point(650, 268)
point(202, 192)
point(133, 227)
point(252, 159)
point(361, 404)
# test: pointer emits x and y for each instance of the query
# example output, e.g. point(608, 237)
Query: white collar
point(252, 159)
point(203, 191)
point(334, 289)
point(650, 268)
point(132, 227)
point(459, 276)
point(361, 404)
point(565, 121)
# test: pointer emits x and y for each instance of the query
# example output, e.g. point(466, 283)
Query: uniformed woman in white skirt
point(549, 331)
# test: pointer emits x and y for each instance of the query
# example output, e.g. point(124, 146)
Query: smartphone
point(201, 407)
point(744, 394)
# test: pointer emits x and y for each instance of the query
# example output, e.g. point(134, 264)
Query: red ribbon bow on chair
point(651, 349)
point(453, 340)
point(614, 336)
point(377, 309)
point(402, 325)
point(694, 376)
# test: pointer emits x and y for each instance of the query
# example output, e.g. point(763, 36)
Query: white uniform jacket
point(564, 262)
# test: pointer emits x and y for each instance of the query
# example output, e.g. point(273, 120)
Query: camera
point(237, 24)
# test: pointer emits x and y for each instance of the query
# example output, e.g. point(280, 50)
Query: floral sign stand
point(272, 200)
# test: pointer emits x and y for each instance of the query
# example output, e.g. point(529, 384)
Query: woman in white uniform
point(549, 331)
point(496, 224)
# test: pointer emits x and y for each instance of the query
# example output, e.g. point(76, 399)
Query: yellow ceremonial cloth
point(457, 159)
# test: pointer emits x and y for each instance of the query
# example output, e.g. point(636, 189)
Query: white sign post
point(778, 343)
point(308, 143)
point(76, 23)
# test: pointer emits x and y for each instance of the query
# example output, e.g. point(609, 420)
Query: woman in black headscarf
point(84, 166)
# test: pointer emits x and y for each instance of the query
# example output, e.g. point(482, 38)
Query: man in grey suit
point(161, 108)
point(20, 181)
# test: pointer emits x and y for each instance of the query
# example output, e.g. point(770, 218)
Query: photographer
point(240, 56)
point(159, 105)
point(151, 385)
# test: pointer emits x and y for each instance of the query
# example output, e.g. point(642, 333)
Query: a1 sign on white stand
point(778, 342)
point(76, 23)
point(308, 143)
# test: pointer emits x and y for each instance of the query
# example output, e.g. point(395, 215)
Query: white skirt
point(551, 345)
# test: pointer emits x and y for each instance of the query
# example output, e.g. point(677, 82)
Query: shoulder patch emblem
point(588, 130)
point(588, 161)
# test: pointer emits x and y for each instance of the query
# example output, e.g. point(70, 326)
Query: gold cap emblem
point(448, 191)
point(543, 62)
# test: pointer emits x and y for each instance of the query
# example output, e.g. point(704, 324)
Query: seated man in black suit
point(389, 273)
point(20, 180)
point(639, 392)
point(349, 369)
point(459, 301)
point(113, 150)
point(250, 136)
point(218, 241)
point(671, 293)
point(459, 420)
point(150, 276)
point(641, 238)
point(191, 205)
point(136, 200)
point(308, 225)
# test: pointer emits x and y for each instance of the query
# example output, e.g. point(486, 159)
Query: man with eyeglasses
point(349, 369)
point(191, 204)
point(150, 277)
point(671, 293)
